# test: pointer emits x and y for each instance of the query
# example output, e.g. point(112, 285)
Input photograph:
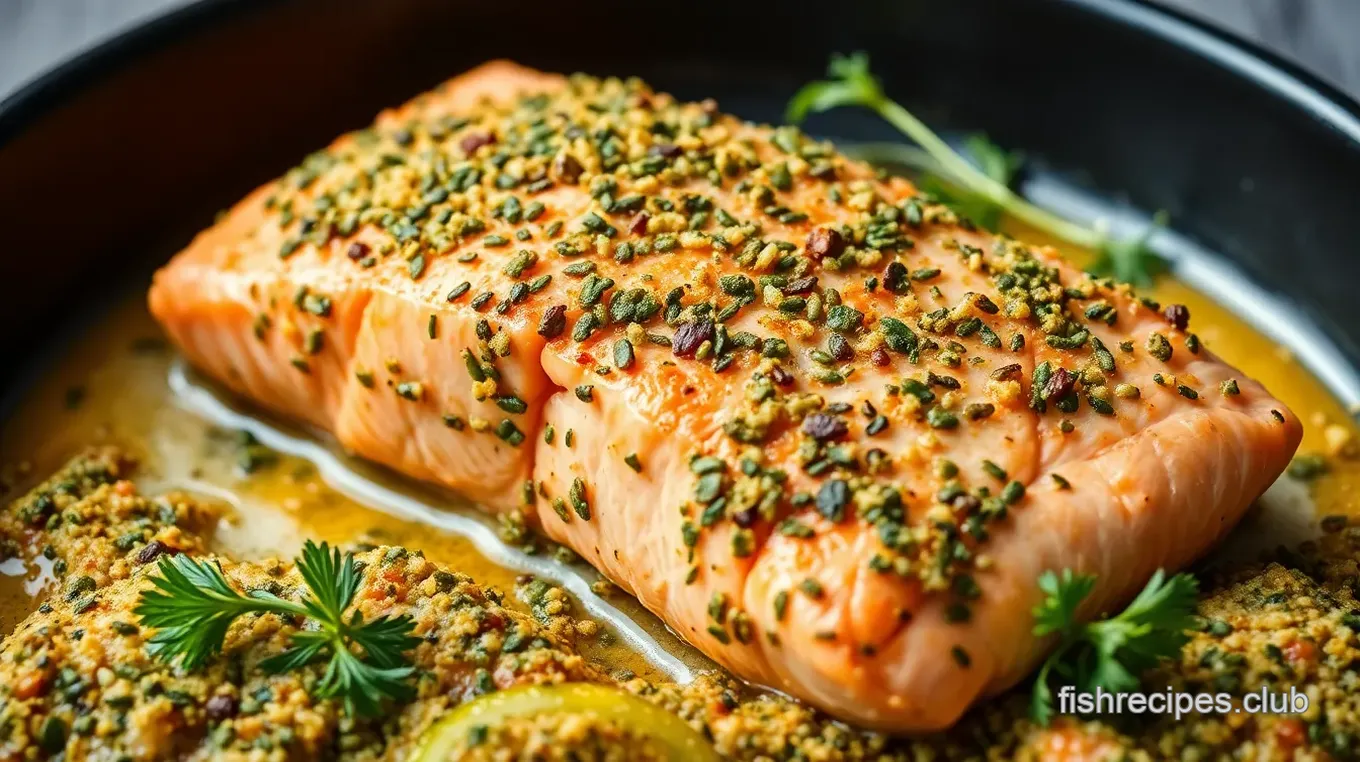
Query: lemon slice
point(664, 731)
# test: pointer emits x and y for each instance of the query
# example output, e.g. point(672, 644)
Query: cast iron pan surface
point(110, 163)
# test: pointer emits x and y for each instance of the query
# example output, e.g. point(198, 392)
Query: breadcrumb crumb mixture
point(94, 527)
point(576, 736)
point(76, 678)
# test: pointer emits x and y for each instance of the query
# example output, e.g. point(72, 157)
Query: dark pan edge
point(83, 70)
point(1273, 74)
point(1280, 77)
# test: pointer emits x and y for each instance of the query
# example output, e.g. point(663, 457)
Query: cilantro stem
point(852, 84)
point(968, 176)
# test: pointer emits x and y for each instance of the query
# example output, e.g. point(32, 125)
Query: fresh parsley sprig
point(980, 189)
point(191, 605)
point(1110, 653)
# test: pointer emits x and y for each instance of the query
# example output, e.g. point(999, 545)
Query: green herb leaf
point(1063, 595)
point(191, 604)
point(308, 647)
point(363, 686)
point(1112, 653)
point(851, 84)
point(1131, 260)
point(979, 190)
point(994, 161)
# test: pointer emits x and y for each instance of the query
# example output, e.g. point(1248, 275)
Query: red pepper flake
point(823, 427)
point(879, 357)
point(800, 286)
point(584, 358)
point(1300, 650)
point(668, 150)
point(1177, 315)
point(30, 685)
point(471, 143)
point(825, 242)
point(221, 707)
point(1289, 733)
point(965, 504)
point(986, 305)
point(553, 322)
point(566, 168)
point(1060, 384)
point(639, 224)
point(357, 251)
point(781, 376)
point(690, 336)
point(1007, 372)
point(153, 550)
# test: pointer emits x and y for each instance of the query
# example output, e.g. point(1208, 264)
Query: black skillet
point(109, 163)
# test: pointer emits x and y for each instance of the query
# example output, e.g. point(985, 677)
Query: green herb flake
point(623, 354)
point(577, 494)
point(509, 433)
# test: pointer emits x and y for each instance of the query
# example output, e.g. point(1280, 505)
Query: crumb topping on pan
point(90, 522)
point(77, 676)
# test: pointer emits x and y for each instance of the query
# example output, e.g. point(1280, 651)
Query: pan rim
point(1269, 71)
point(86, 69)
point(1273, 75)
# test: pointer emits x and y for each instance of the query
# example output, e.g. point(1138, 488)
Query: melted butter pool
point(119, 384)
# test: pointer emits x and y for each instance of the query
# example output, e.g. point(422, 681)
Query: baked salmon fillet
point(830, 432)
